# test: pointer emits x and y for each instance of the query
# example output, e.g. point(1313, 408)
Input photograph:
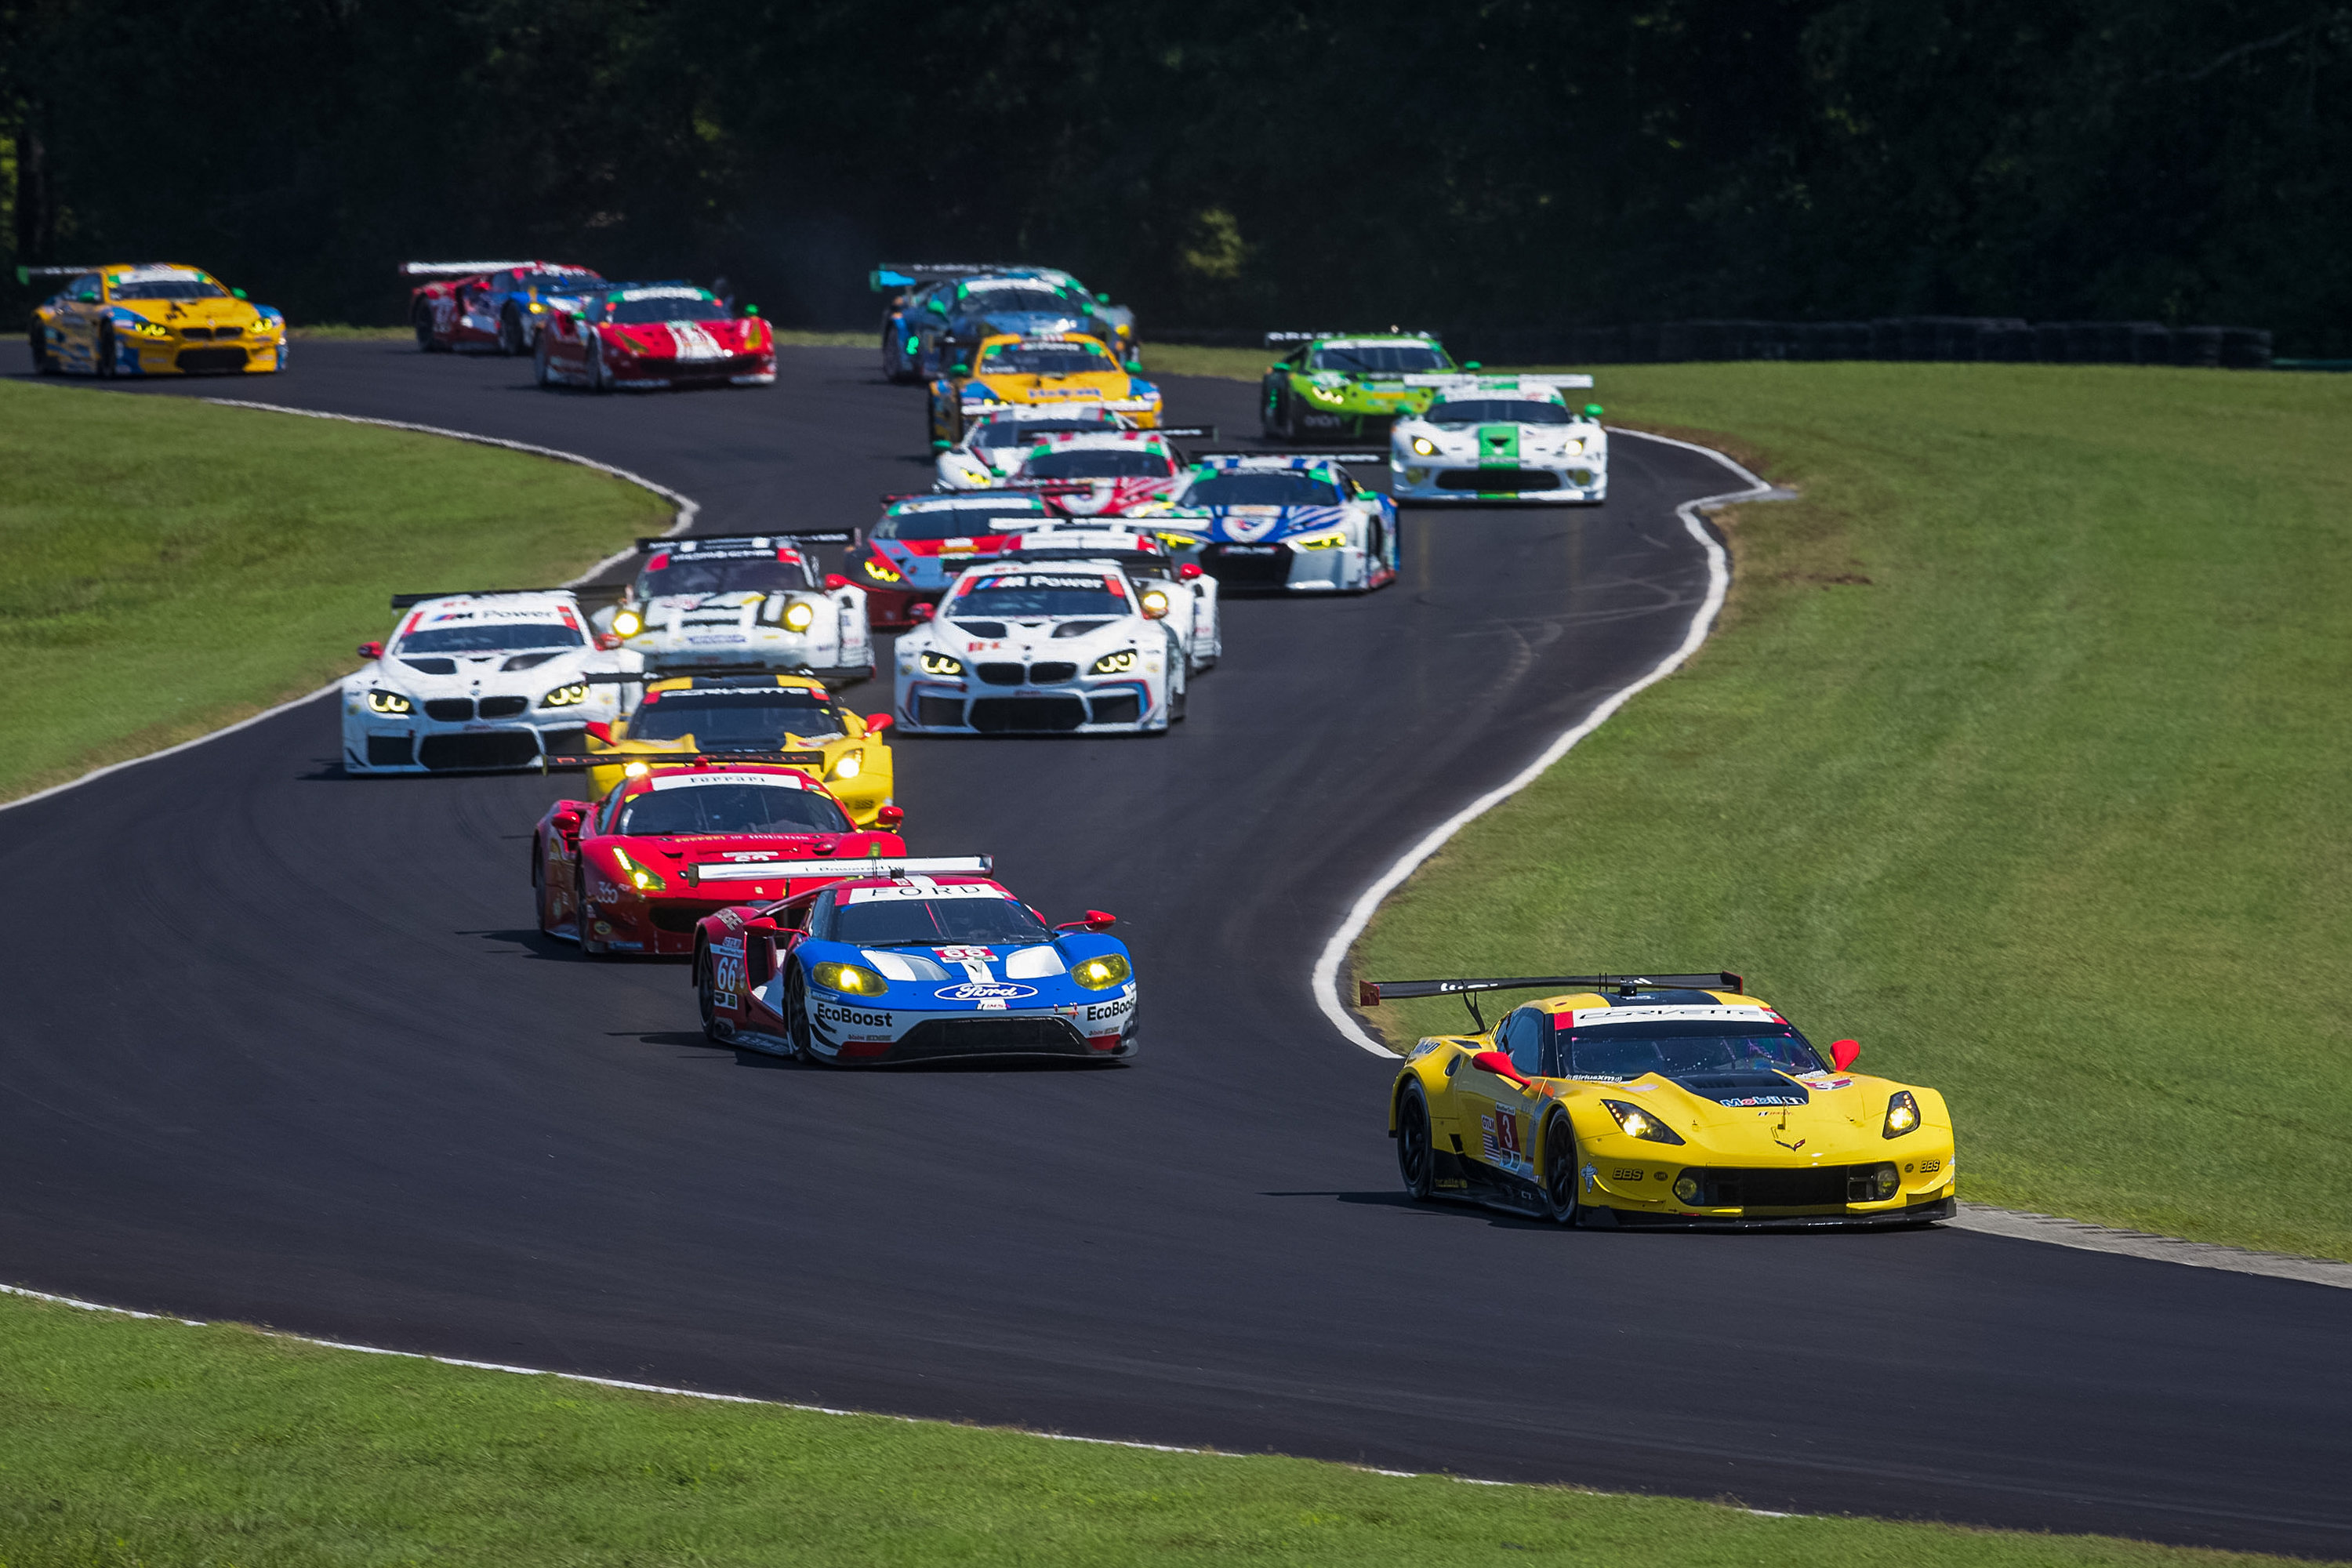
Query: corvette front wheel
point(1560, 1173)
point(1416, 1157)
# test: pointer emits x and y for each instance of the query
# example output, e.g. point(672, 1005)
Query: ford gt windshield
point(751, 720)
point(490, 636)
point(722, 574)
point(1046, 359)
point(732, 809)
point(924, 923)
point(1379, 359)
point(1099, 463)
point(1677, 1048)
point(1498, 411)
point(1278, 488)
point(1029, 596)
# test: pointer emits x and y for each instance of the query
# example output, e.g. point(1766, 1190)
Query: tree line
point(1235, 163)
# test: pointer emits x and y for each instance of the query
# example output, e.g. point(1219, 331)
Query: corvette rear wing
point(1373, 993)
point(838, 870)
point(691, 542)
point(1358, 459)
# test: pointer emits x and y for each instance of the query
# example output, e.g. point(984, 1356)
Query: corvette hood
point(1765, 1118)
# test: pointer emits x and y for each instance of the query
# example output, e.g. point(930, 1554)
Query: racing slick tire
point(421, 319)
point(600, 380)
point(706, 994)
point(796, 1024)
point(543, 369)
point(1180, 681)
point(1274, 416)
point(44, 364)
point(1416, 1149)
point(1560, 1165)
point(101, 362)
point(513, 340)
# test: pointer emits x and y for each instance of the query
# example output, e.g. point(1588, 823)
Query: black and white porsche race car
point(745, 604)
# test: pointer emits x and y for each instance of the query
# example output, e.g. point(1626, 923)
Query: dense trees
point(1242, 161)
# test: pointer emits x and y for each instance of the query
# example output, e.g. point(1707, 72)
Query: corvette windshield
point(753, 721)
point(1678, 1048)
point(1026, 595)
point(1046, 359)
point(924, 923)
point(1380, 359)
point(1498, 411)
point(1021, 432)
point(1099, 463)
point(961, 522)
point(490, 636)
point(769, 574)
point(732, 808)
point(638, 312)
point(1278, 488)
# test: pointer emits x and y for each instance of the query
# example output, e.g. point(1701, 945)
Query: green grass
point(136, 1442)
point(2019, 755)
point(1187, 359)
point(346, 332)
point(167, 567)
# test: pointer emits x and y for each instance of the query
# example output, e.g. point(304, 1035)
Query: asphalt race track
point(282, 1047)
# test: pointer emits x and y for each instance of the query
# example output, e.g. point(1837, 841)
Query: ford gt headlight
point(643, 878)
point(881, 571)
point(628, 623)
point(799, 616)
point(1329, 538)
point(1424, 447)
point(1118, 663)
point(1101, 974)
point(851, 764)
point(1633, 1119)
point(849, 979)
point(1902, 1114)
point(1154, 601)
point(381, 702)
point(940, 662)
point(570, 696)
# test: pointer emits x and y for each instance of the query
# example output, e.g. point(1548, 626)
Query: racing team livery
point(1102, 473)
point(1333, 385)
point(922, 541)
point(491, 306)
point(155, 319)
point(1065, 370)
point(1291, 521)
point(1500, 438)
point(645, 336)
point(744, 602)
point(1671, 1100)
point(913, 962)
point(942, 312)
point(994, 442)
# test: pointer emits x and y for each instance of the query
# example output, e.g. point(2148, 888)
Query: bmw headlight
point(849, 979)
point(799, 616)
point(1424, 447)
point(1633, 1119)
point(851, 764)
point(1101, 974)
point(628, 623)
point(1329, 538)
point(1902, 1114)
point(382, 701)
point(570, 696)
point(940, 662)
point(139, 326)
point(1118, 663)
point(264, 327)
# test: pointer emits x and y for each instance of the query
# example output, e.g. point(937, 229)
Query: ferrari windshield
point(1379, 359)
point(731, 808)
point(1021, 432)
point(682, 306)
point(1498, 411)
point(1014, 513)
point(754, 720)
point(986, 917)
point(1046, 359)
point(1099, 463)
point(491, 637)
point(1680, 1047)
point(1278, 487)
point(133, 287)
point(772, 573)
point(1028, 595)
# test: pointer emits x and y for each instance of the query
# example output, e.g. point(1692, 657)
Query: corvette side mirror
point(1498, 1064)
point(1096, 920)
point(834, 580)
point(371, 650)
point(877, 722)
point(1843, 1052)
point(888, 819)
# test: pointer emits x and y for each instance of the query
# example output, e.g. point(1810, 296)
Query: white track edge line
point(2082, 1235)
point(687, 509)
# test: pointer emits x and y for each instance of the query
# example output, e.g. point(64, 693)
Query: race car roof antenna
point(1373, 993)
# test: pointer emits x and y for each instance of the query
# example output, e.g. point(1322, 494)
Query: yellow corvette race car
point(1670, 1099)
point(1053, 370)
point(787, 719)
point(155, 319)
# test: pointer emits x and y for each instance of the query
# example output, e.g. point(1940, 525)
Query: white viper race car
point(1500, 438)
point(744, 604)
point(483, 680)
point(1066, 642)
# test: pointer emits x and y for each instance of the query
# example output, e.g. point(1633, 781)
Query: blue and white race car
point(908, 961)
point(1290, 521)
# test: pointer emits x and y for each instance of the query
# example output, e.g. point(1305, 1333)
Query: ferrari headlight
point(849, 979)
point(1902, 1114)
point(1424, 447)
point(643, 878)
point(1633, 1119)
point(1101, 974)
point(1118, 663)
point(851, 764)
point(799, 616)
point(1154, 601)
point(940, 662)
point(1329, 538)
point(881, 570)
point(628, 623)
point(570, 696)
point(382, 701)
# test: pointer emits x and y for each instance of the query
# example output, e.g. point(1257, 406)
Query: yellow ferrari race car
point(1053, 370)
point(1670, 1099)
point(155, 319)
point(787, 719)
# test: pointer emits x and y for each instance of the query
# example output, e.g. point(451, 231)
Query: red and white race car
point(634, 871)
point(645, 335)
point(491, 306)
point(1101, 473)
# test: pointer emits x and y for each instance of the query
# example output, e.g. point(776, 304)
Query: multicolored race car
point(150, 319)
point(923, 541)
point(634, 871)
point(1065, 370)
point(940, 313)
point(790, 718)
point(995, 441)
point(744, 602)
point(1290, 521)
point(916, 960)
point(1332, 383)
point(1500, 438)
point(1664, 1099)
point(1101, 473)
point(642, 336)
point(492, 306)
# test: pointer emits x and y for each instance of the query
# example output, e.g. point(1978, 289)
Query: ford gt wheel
point(796, 1019)
point(512, 339)
point(542, 369)
point(1560, 1174)
point(1416, 1160)
point(421, 319)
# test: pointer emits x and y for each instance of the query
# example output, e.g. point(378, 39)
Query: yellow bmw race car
point(1670, 1099)
point(787, 719)
point(1053, 370)
point(154, 319)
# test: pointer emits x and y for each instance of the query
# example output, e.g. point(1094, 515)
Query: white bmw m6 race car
point(472, 681)
point(1177, 592)
point(744, 604)
point(1500, 438)
point(1064, 643)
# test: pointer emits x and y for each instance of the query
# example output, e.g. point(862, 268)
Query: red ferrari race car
point(645, 335)
point(633, 872)
point(491, 306)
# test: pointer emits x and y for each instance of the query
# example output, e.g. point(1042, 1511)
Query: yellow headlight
point(1118, 663)
point(850, 765)
point(1333, 540)
point(881, 570)
point(1902, 1113)
point(1155, 602)
point(940, 664)
point(628, 623)
point(645, 879)
point(1424, 447)
point(388, 702)
point(799, 616)
point(850, 980)
point(1101, 974)
point(566, 696)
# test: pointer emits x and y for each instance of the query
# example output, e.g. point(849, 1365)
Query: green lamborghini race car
point(1333, 384)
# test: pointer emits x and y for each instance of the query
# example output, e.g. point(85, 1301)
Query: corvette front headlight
point(381, 702)
point(1118, 663)
point(566, 696)
point(1329, 538)
point(1101, 974)
point(1424, 447)
point(1902, 1114)
point(799, 616)
point(1633, 1119)
point(628, 623)
point(940, 662)
point(849, 979)
point(851, 764)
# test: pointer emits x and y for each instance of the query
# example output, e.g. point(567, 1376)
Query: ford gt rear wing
point(837, 870)
point(1373, 993)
